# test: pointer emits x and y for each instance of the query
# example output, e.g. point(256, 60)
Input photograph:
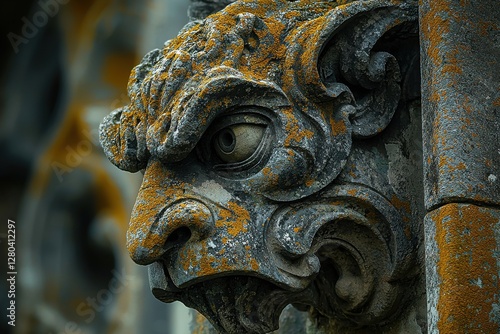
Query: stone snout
point(200, 230)
point(184, 221)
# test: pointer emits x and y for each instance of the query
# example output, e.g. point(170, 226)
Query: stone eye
point(237, 143)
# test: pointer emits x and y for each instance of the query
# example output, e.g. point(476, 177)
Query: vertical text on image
point(11, 272)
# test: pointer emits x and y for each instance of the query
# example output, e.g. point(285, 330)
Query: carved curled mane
point(162, 85)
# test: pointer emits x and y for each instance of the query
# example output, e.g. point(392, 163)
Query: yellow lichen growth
point(309, 182)
point(400, 204)
point(436, 26)
point(338, 126)
point(467, 267)
point(234, 219)
point(352, 192)
point(254, 265)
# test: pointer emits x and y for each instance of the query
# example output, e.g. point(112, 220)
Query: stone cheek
point(261, 133)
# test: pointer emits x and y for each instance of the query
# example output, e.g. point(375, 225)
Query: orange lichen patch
point(185, 259)
point(444, 161)
point(153, 198)
point(309, 182)
point(447, 164)
point(271, 178)
point(468, 268)
point(466, 105)
point(291, 156)
point(305, 57)
point(485, 27)
point(294, 132)
point(201, 262)
point(207, 265)
point(297, 229)
point(204, 264)
point(292, 14)
point(258, 64)
point(254, 265)
point(338, 126)
point(308, 134)
point(352, 192)
point(466, 123)
point(311, 54)
point(435, 25)
point(219, 103)
point(400, 204)
point(235, 219)
point(438, 95)
point(264, 7)
point(251, 262)
point(452, 64)
point(197, 260)
point(461, 166)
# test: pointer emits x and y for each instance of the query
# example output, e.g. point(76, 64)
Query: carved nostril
point(177, 238)
point(181, 222)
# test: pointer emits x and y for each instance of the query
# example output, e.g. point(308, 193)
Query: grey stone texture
point(461, 99)
point(461, 131)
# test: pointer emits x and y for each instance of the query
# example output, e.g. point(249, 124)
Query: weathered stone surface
point(461, 126)
point(461, 99)
point(463, 269)
point(271, 173)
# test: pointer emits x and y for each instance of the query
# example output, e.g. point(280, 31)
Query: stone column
point(461, 132)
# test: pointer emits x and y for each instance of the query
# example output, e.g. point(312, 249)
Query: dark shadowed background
point(65, 64)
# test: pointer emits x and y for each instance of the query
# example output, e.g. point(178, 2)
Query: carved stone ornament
point(253, 129)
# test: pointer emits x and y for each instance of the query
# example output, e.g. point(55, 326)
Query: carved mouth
point(233, 304)
point(238, 304)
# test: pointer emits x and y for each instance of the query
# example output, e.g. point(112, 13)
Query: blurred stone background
point(65, 64)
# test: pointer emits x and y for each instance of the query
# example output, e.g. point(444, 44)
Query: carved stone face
point(241, 126)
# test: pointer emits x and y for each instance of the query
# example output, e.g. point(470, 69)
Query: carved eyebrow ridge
point(211, 100)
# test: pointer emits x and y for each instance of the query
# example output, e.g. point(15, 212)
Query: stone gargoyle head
point(242, 125)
